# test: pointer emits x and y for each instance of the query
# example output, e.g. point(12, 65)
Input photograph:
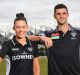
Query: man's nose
point(61, 15)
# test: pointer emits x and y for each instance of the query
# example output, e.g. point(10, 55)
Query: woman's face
point(20, 28)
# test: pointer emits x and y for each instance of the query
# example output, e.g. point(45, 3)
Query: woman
point(23, 53)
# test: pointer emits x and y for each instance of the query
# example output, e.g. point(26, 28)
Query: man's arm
point(48, 41)
point(34, 38)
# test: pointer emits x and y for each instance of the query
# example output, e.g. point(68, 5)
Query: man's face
point(61, 16)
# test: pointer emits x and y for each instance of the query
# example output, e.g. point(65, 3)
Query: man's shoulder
point(76, 30)
point(49, 32)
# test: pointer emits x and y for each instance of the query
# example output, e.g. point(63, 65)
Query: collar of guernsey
point(57, 34)
point(15, 42)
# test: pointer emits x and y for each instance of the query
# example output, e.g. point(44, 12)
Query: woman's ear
point(13, 28)
point(28, 27)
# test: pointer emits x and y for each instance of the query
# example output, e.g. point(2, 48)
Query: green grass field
point(43, 65)
point(3, 69)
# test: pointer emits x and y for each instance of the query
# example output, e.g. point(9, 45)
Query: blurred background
point(39, 14)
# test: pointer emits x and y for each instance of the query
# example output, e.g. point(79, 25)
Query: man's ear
point(54, 16)
point(68, 14)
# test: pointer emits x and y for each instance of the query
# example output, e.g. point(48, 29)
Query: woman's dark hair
point(20, 16)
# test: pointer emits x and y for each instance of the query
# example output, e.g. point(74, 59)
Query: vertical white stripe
point(13, 42)
point(7, 65)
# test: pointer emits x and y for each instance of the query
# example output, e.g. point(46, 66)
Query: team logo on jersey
point(73, 34)
point(30, 48)
point(55, 36)
point(15, 49)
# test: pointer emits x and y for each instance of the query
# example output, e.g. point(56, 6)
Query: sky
point(37, 12)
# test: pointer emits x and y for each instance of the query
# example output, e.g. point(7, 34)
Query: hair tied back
point(20, 15)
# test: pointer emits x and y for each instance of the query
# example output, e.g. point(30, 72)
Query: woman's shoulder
point(7, 42)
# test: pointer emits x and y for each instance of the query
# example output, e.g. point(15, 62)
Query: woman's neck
point(22, 41)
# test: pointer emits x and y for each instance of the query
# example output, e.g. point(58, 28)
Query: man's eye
point(58, 13)
point(64, 13)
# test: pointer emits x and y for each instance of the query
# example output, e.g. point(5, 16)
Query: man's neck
point(64, 28)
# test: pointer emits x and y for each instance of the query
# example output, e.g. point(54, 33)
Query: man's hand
point(48, 41)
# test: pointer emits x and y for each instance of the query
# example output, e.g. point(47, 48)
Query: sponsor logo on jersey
point(55, 36)
point(15, 49)
point(24, 52)
point(18, 57)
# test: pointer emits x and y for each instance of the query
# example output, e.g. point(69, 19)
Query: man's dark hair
point(60, 6)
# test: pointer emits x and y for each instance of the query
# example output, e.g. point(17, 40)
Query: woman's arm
point(36, 66)
point(1, 60)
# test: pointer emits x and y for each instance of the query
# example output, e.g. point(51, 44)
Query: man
point(63, 55)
